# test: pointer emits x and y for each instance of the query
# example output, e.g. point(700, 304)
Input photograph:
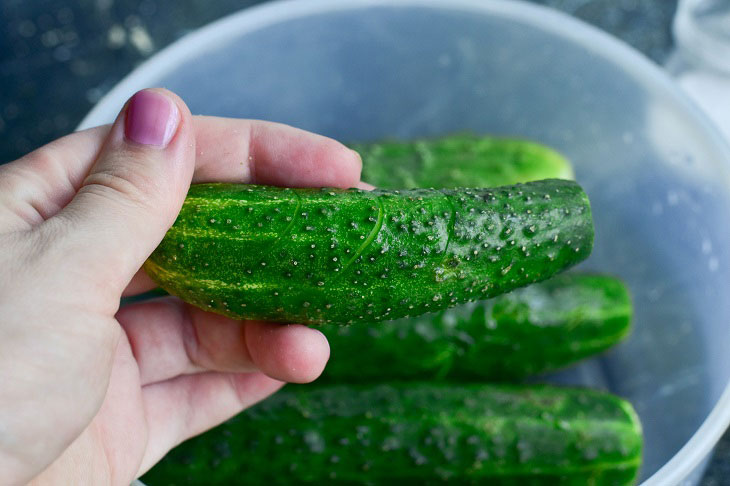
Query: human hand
point(90, 394)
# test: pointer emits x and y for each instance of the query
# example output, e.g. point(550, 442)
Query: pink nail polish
point(151, 119)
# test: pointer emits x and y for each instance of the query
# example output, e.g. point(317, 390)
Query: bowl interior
point(656, 175)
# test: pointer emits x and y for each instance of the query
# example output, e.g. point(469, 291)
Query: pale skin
point(94, 394)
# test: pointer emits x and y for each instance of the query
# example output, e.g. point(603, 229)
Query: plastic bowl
point(656, 171)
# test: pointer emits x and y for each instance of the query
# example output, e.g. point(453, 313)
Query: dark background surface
point(58, 58)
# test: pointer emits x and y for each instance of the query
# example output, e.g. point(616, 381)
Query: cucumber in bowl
point(459, 160)
point(528, 331)
point(417, 433)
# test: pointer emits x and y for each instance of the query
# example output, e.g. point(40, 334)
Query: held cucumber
point(317, 256)
point(531, 330)
point(419, 434)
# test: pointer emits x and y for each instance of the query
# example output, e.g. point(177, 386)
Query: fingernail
point(365, 185)
point(151, 119)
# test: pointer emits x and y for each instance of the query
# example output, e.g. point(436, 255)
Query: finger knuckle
point(123, 183)
point(44, 159)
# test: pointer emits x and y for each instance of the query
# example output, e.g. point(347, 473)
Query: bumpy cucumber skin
point(417, 434)
point(531, 330)
point(461, 160)
point(318, 256)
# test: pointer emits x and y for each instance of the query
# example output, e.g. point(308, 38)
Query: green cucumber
point(459, 161)
point(531, 330)
point(417, 434)
point(318, 256)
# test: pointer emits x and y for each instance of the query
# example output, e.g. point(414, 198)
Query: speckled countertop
point(58, 58)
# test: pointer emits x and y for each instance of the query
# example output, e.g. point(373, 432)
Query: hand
point(90, 394)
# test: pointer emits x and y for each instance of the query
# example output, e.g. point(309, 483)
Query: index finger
point(260, 152)
point(230, 150)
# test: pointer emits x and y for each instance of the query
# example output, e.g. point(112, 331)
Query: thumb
point(134, 189)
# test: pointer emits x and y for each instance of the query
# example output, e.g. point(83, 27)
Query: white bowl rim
point(707, 435)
